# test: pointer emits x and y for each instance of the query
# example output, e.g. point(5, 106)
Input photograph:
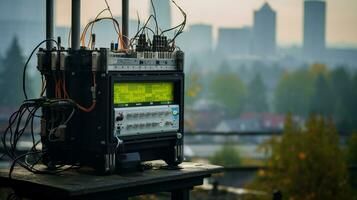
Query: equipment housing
point(112, 131)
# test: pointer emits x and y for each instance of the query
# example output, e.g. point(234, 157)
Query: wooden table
point(76, 184)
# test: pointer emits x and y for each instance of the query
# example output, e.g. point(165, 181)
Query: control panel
point(145, 120)
point(145, 61)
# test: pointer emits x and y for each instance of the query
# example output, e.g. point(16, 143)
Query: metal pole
point(76, 24)
point(125, 21)
point(49, 23)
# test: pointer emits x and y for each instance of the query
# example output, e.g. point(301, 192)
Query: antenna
point(125, 22)
point(76, 24)
point(49, 24)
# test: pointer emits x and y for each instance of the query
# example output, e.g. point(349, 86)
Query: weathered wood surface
point(80, 183)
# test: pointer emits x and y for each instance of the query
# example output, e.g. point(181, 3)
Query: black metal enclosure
point(88, 138)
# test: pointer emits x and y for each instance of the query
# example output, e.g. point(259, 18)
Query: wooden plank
point(73, 183)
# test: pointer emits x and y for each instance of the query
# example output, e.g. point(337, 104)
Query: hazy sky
point(341, 15)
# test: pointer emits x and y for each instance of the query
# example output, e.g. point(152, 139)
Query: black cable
point(9, 128)
point(18, 123)
point(137, 13)
point(27, 62)
point(155, 17)
point(147, 22)
point(180, 31)
point(55, 170)
point(142, 29)
point(182, 24)
point(11, 196)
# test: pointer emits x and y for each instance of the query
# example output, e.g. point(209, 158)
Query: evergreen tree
point(341, 84)
point(11, 76)
point(293, 93)
point(229, 91)
point(352, 157)
point(322, 102)
point(353, 106)
point(257, 99)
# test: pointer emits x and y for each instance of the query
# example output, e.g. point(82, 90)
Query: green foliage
point(257, 99)
point(11, 76)
point(352, 157)
point(293, 93)
point(229, 91)
point(306, 164)
point(345, 98)
point(352, 106)
point(322, 101)
point(193, 88)
point(320, 91)
point(296, 91)
point(228, 156)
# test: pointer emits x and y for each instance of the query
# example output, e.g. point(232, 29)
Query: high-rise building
point(314, 29)
point(234, 41)
point(163, 13)
point(264, 31)
point(199, 38)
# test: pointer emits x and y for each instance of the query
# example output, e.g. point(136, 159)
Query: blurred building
point(199, 38)
point(264, 31)
point(314, 29)
point(24, 20)
point(234, 41)
point(163, 13)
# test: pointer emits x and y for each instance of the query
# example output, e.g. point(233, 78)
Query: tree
point(228, 156)
point(229, 91)
point(341, 85)
point(352, 108)
point(322, 101)
point(293, 92)
point(193, 85)
point(257, 99)
point(304, 91)
point(352, 157)
point(11, 76)
point(306, 164)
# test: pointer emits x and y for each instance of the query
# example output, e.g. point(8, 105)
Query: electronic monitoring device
point(128, 106)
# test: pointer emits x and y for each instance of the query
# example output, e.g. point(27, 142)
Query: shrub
point(228, 156)
point(306, 164)
point(352, 158)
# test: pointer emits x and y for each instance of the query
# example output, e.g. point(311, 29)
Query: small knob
point(120, 117)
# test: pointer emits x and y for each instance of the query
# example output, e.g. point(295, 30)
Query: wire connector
point(93, 89)
point(95, 61)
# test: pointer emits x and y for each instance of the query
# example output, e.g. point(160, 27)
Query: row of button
point(149, 125)
point(132, 127)
point(150, 114)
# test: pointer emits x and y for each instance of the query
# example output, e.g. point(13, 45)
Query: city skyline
point(340, 22)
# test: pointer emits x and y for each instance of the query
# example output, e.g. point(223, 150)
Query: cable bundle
point(141, 30)
point(21, 121)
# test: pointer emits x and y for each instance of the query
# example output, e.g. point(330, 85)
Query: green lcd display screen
point(126, 94)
